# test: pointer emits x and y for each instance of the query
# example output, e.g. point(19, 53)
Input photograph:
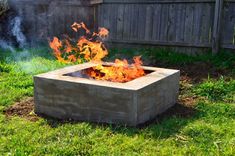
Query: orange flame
point(121, 71)
point(92, 49)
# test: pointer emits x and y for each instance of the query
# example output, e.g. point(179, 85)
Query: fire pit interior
point(86, 72)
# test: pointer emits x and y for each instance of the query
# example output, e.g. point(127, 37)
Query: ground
point(201, 123)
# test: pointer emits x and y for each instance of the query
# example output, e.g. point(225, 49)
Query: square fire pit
point(67, 94)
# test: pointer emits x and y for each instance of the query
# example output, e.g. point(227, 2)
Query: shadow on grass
point(162, 126)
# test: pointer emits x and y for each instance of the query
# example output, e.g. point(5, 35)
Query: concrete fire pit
point(64, 95)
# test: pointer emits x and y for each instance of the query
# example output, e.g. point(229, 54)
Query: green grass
point(217, 90)
point(210, 131)
point(16, 73)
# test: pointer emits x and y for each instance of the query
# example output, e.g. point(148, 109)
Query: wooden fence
point(44, 19)
point(194, 24)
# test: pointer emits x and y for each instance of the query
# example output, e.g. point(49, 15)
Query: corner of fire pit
point(157, 97)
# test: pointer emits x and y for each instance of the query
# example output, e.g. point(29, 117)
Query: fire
point(121, 71)
point(91, 48)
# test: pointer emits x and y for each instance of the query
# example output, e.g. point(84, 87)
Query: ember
point(91, 48)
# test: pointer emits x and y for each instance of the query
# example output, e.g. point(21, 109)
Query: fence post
point(217, 26)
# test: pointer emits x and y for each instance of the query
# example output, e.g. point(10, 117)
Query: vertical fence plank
point(29, 18)
point(132, 22)
point(113, 16)
point(106, 17)
point(180, 22)
point(164, 23)
point(189, 23)
point(197, 23)
point(204, 29)
point(98, 16)
point(135, 24)
point(120, 21)
point(148, 22)
point(228, 25)
point(126, 24)
point(217, 26)
point(156, 22)
point(142, 18)
point(171, 36)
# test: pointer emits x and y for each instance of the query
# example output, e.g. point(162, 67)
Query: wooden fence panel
point(187, 23)
point(176, 23)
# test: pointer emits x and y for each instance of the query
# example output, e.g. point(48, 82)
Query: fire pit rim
point(136, 84)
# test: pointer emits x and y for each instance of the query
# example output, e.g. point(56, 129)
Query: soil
point(24, 109)
point(198, 71)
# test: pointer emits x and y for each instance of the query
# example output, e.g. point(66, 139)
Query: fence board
point(197, 23)
point(156, 22)
point(180, 22)
point(229, 24)
point(171, 36)
point(106, 17)
point(164, 23)
point(120, 21)
point(148, 22)
point(134, 22)
point(141, 17)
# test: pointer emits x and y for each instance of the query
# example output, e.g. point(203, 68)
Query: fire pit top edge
point(136, 84)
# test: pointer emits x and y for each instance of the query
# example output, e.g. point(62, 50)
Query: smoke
point(17, 44)
point(6, 46)
point(16, 31)
point(14, 45)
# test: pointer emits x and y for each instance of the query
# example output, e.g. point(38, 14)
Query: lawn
point(202, 123)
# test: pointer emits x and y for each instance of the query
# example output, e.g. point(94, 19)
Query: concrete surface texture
point(82, 99)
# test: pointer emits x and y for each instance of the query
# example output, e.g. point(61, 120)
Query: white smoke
point(17, 32)
point(21, 56)
point(17, 53)
point(6, 46)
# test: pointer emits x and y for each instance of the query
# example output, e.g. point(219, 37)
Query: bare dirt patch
point(24, 109)
point(198, 71)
